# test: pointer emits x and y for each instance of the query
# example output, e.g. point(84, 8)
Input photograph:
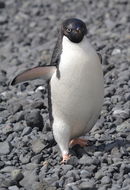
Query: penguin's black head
point(74, 29)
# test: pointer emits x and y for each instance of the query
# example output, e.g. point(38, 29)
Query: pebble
point(67, 168)
point(14, 187)
point(3, 19)
point(37, 158)
point(73, 161)
point(2, 4)
point(99, 174)
point(38, 186)
point(123, 127)
point(26, 131)
point(14, 108)
point(29, 179)
point(106, 180)
point(7, 129)
point(121, 113)
point(37, 146)
point(116, 51)
point(25, 158)
point(34, 119)
point(5, 148)
point(2, 164)
point(17, 175)
point(86, 160)
point(87, 185)
point(85, 174)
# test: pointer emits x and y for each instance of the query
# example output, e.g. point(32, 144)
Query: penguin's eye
point(68, 30)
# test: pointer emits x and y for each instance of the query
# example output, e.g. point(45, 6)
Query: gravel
point(29, 155)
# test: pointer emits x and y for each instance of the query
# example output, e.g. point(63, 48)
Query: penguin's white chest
point(77, 96)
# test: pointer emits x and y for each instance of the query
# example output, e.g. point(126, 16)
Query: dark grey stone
point(2, 5)
point(86, 160)
point(87, 185)
point(66, 168)
point(34, 119)
point(85, 174)
point(73, 161)
point(2, 164)
point(73, 173)
point(15, 107)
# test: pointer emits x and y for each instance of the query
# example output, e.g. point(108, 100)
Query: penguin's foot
point(66, 157)
point(81, 142)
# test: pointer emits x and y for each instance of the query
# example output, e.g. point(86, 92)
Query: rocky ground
point(29, 156)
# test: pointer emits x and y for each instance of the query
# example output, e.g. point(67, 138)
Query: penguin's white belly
point(77, 96)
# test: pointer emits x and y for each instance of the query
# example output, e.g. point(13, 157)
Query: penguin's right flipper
point(44, 72)
point(100, 57)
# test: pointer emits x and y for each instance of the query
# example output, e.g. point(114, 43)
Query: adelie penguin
point(75, 79)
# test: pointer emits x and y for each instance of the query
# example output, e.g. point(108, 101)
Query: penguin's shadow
point(103, 147)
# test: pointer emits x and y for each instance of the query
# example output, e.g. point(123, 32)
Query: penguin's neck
point(81, 47)
point(75, 54)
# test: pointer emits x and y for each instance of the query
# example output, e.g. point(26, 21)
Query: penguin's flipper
point(100, 57)
point(44, 72)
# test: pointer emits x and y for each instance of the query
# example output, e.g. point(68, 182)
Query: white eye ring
point(68, 29)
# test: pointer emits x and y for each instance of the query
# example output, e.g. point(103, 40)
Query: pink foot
point(66, 157)
point(81, 142)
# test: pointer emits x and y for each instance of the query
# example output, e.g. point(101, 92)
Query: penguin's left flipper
point(44, 72)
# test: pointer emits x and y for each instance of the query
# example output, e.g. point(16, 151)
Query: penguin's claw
point(66, 157)
point(81, 142)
